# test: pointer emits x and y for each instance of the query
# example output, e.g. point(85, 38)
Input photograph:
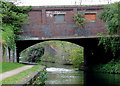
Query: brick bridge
point(56, 23)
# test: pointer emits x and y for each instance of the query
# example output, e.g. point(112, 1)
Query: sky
point(62, 2)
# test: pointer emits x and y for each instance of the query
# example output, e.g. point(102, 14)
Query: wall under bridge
point(93, 54)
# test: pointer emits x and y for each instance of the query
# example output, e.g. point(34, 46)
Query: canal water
point(67, 75)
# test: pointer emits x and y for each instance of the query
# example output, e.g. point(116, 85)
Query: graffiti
point(47, 31)
point(84, 32)
point(75, 34)
point(59, 12)
point(49, 14)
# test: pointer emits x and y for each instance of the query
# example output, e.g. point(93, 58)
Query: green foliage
point(32, 54)
point(41, 78)
point(110, 43)
point(79, 20)
point(111, 67)
point(8, 36)
point(110, 15)
point(62, 51)
point(67, 53)
point(35, 53)
point(12, 17)
point(77, 57)
point(48, 57)
point(6, 66)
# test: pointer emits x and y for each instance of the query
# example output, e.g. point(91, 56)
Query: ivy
point(110, 15)
point(79, 20)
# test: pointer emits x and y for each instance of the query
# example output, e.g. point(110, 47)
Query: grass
point(18, 77)
point(6, 66)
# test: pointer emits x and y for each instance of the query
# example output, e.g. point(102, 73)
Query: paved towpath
point(14, 72)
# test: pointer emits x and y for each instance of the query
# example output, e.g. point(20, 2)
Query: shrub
point(111, 67)
point(35, 53)
point(77, 57)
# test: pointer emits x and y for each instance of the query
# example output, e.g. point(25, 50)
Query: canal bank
point(34, 75)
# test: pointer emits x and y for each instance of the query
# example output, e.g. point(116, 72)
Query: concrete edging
point(29, 79)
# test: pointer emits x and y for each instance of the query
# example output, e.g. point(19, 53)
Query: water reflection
point(52, 69)
point(62, 74)
point(101, 79)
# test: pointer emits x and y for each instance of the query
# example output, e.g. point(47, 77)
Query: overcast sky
point(63, 2)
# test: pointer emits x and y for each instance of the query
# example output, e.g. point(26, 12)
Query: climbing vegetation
point(110, 15)
point(79, 21)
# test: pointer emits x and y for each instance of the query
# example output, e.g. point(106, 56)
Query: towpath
point(14, 72)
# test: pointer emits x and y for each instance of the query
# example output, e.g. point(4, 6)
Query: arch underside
point(93, 54)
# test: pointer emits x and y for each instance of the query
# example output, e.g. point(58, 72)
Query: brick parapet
point(42, 22)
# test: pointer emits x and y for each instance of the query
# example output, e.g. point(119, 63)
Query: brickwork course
point(44, 25)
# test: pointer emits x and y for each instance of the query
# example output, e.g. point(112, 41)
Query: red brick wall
point(35, 17)
point(42, 23)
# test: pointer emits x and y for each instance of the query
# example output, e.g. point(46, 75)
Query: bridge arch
point(93, 54)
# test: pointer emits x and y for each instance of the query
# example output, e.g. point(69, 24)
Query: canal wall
point(36, 77)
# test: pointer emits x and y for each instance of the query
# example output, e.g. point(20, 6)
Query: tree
point(110, 15)
point(8, 36)
point(12, 18)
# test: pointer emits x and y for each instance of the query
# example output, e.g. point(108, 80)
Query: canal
point(66, 74)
